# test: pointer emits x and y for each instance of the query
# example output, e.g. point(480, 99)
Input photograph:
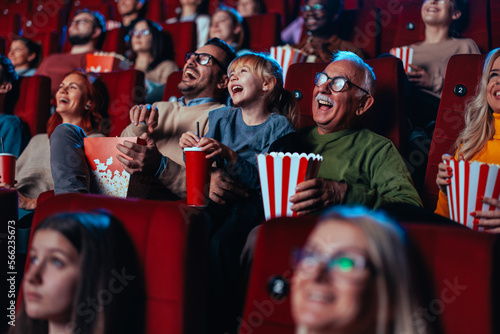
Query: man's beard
point(79, 40)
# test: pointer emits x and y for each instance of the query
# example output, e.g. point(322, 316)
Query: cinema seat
point(155, 10)
point(264, 31)
point(495, 24)
point(49, 42)
point(462, 266)
point(386, 117)
point(170, 242)
point(362, 28)
point(183, 36)
point(462, 76)
point(171, 91)
point(411, 28)
point(33, 104)
point(125, 89)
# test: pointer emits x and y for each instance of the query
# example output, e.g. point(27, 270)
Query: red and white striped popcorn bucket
point(286, 56)
point(469, 183)
point(106, 169)
point(405, 54)
point(279, 175)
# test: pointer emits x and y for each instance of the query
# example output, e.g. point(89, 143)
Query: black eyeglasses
point(336, 84)
point(203, 59)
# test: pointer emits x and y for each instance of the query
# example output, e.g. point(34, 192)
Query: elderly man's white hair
point(369, 82)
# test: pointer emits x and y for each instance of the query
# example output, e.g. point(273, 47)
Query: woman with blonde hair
point(353, 276)
point(479, 140)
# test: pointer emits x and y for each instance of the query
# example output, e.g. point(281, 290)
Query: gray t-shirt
point(227, 126)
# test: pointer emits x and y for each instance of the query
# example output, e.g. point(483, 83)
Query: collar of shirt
point(195, 102)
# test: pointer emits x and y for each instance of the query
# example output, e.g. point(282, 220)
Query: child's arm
point(188, 139)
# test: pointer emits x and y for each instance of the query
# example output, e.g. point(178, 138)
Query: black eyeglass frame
point(318, 74)
point(198, 55)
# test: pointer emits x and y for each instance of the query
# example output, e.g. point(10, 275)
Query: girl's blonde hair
point(479, 121)
point(279, 100)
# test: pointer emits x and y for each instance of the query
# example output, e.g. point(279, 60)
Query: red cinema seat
point(155, 10)
point(125, 89)
point(171, 92)
point(463, 267)
point(115, 41)
point(361, 27)
point(183, 36)
point(462, 76)
point(411, 28)
point(170, 241)
point(386, 117)
point(33, 105)
point(105, 9)
point(10, 25)
point(495, 24)
point(49, 42)
point(45, 19)
point(264, 31)
point(2, 45)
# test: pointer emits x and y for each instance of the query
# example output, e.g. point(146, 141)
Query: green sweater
point(369, 164)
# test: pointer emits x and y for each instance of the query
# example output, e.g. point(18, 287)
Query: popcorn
point(286, 56)
point(279, 175)
point(112, 179)
point(470, 182)
point(101, 61)
point(405, 54)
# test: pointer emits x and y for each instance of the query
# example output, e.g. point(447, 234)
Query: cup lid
point(8, 155)
point(192, 149)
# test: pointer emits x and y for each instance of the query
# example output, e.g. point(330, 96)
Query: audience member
point(86, 34)
point(79, 102)
point(236, 135)
point(192, 11)
point(131, 12)
point(151, 55)
point(227, 25)
point(204, 83)
point(479, 140)
point(73, 258)
point(443, 21)
point(250, 7)
point(354, 276)
point(13, 134)
point(358, 165)
point(25, 56)
point(320, 40)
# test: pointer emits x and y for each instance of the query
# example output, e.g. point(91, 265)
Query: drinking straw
point(198, 129)
point(1, 142)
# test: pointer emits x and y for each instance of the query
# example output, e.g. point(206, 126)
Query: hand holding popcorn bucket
point(470, 182)
point(279, 175)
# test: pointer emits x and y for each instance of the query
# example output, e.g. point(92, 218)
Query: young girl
point(263, 112)
point(71, 284)
point(480, 139)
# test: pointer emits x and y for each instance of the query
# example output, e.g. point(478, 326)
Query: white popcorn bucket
point(469, 183)
point(279, 175)
point(286, 56)
point(405, 54)
point(108, 172)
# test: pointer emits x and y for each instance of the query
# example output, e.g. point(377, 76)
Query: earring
point(264, 89)
point(87, 107)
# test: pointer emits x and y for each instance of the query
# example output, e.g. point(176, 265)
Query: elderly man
point(86, 33)
point(203, 84)
point(359, 166)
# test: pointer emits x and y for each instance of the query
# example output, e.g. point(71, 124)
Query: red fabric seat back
point(183, 36)
point(264, 31)
point(170, 252)
point(387, 115)
point(49, 42)
point(463, 71)
point(171, 92)
point(495, 24)
point(125, 89)
point(462, 264)
point(105, 9)
point(33, 105)
point(411, 28)
point(156, 10)
point(362, 27)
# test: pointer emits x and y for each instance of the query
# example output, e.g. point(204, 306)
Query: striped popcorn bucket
point(470, 182)
point(279, 175)
point(286, 56)
point(405, 54)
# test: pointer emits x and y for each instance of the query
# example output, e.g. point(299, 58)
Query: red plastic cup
point(7, 168)
point(197, 176)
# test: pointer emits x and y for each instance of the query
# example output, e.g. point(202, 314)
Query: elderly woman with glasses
point(353, 276)
point(151, 54)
